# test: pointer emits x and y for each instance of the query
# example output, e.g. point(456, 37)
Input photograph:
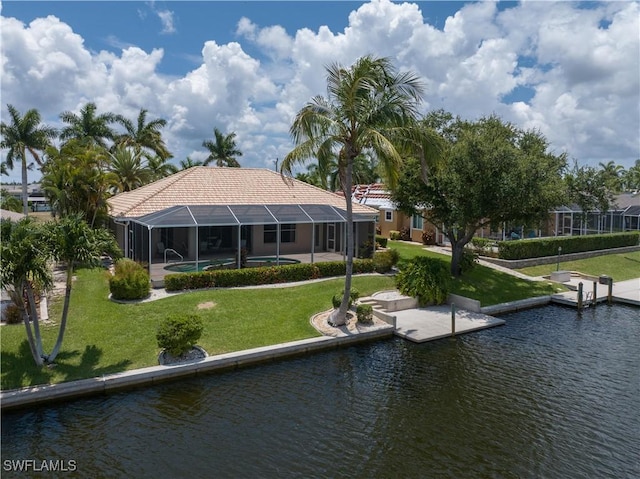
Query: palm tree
point(144, 137)
point(159, 168)
point(24, 264)
point(368, 106)
point(189, 163)
point(87, 126)
point(73, 242)
point(612, 175)
point(3, 168)
point(25, 133)
point(223, 151)
point(127, 168)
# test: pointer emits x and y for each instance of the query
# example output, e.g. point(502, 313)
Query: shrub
point(177, 334)
point(130, 281)
point(428, 238)
point(424, 278)
point(364, 312)
point(12, 314)
point(394, 235)
point(383, 261)
point(336, 300)
point(405, 234)
point(381, 240)
point(366, 250)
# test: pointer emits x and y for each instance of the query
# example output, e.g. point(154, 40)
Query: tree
point(74, 180)
point(9, 202)
point(159, 168)
point(189, 163)
point(492, 173)
point(632, 177)
point(144, 137)
point(223, 150)
point(24, 134)
point(3, 168)
point(24, 267)
point(73, 242)
point(613, 176)
point(588, 188)
point(367, 105)
point(127, 169)
point(88, 127)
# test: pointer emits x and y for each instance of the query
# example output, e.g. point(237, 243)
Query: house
point(206, 212)
point(391, 219)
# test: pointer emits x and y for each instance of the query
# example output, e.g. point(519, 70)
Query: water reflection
point(550, 394)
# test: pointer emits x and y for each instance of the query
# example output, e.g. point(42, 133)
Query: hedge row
point(264, 275)
point(536, 248)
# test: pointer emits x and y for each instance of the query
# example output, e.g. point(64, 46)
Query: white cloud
point(581, 66)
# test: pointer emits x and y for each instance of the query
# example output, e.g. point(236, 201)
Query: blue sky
point(568, 69)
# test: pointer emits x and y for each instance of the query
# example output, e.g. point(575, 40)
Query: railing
point(171, 250)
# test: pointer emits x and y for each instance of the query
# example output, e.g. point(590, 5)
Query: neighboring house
point(203, 211)
point(391, 219)
point(36, 198)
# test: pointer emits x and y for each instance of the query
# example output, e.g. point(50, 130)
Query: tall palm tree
point(128, 169)
point(24, 133)
point(368, 106)
point(87, 126)
point(223, 151)
point(144, 137)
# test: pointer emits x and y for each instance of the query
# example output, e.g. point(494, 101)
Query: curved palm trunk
point(33, 337)
point(25, 196)
point(339, 317)
point(65, 312)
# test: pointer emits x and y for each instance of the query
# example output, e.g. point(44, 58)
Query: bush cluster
point(178, 333)
point(394, 235)
point(383, 261)
point(424, 278)
point(129, 281)
point(354, 294)
point(364, 312)
point(536, 248)
point(12, 314)
point(381, 240)
point(263, 275)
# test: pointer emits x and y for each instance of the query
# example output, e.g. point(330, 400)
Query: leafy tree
point(492, 173)
point(127, 168)
point(588, 188)
point(223, 150)
point(145, 138)
point(632, 177)
point(24, 134)
point(3, 168)
point(74, 180)
point(367, 105)
point(88, 127)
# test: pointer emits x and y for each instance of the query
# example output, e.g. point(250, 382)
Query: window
point(388, 215)
point(287, 233)
point(416, 222)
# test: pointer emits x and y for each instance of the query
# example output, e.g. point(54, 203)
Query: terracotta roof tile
point(203, 185)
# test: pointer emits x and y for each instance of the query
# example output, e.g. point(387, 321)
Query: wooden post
point(595, 293)
point(610, 293)
point(579, 296)
point(453, 320)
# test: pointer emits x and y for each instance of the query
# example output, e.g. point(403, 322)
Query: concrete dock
point(427, 324)
point(627, 292)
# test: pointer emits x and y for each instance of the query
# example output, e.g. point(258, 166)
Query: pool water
point(552, 394)
point(190, 266)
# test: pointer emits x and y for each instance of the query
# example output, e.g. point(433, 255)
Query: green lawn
point(104, 337)
point(620, 266)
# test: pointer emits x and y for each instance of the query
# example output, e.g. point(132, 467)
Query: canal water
point(552, 394)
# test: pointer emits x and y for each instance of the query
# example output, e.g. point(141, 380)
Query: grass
point(620, 267)
point(103, 337)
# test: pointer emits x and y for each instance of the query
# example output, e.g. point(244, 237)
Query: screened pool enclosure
point(198, 232)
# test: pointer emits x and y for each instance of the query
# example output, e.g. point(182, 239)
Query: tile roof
point(375, 195)
point(204, 185)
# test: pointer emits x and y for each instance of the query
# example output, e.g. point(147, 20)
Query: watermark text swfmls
point(37, 465)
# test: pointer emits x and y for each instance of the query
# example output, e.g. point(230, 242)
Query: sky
point(570, 70)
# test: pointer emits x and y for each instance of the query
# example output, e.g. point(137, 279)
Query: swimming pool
point(253, 262)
